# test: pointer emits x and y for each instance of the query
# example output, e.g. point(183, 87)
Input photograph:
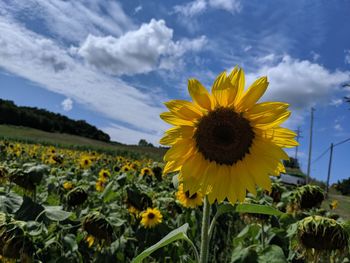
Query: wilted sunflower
point(319, 235)
point(187, 200)
point(225, 143)
point(151, 217)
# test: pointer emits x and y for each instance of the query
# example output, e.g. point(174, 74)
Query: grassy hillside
point(343, 208)
point(30, 135)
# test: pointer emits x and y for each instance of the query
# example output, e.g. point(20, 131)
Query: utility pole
point(296, 148)
point(310, 146)
point(329, 169)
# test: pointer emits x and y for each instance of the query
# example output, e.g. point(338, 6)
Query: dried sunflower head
point(14, 243)
point(318, 236)
point(76, 196)
point(98, 226)
point(306, 197)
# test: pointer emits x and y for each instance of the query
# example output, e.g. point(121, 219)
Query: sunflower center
point(224, 136)
point(187, 193)
point(151, 216)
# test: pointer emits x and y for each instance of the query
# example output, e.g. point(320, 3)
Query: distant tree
point(47, 121)
point(343, 186)
point(291, 163)
point(144, 143)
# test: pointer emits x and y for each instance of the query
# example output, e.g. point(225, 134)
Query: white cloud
point(315, 56)
point(72, 20)
point(138, 9)
point(192, 8)
point(198, 7)
point(130, 136)
point(67, 104)
point(42, 61)
point(232, 6)
point(138, 51)
point(300, 82)
point(347, 56)
point(336, 102)
point(338, 127)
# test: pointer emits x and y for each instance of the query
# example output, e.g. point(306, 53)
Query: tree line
point(42, 119)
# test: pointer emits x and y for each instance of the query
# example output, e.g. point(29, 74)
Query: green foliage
point(343, 186)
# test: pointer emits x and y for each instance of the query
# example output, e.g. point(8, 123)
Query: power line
point(336, 144)
point(321, 155)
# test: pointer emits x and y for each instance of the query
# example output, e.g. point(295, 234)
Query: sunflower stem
point(262, 234)
point(205, 233)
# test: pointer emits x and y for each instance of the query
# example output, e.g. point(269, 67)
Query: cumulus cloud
point(72, 20)
point(300, 82)
point(198, 7)
point(67, 104)
point(25, 53)
point(138, 51)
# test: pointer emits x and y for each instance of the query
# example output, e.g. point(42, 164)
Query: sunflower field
point(213, 200)
point(62, 205)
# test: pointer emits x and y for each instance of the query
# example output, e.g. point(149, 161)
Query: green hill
point(30, 135)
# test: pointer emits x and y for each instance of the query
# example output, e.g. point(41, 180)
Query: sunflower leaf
point(177, 234)
point(258, 209)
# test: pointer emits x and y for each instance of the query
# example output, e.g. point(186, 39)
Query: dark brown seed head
point(224, 136)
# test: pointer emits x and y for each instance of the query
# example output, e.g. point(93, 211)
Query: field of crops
point(62, 205)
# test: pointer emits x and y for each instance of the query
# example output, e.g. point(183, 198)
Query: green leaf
point(10, 202)
point(108, 193)
point(225, 208)
point(272, 254)
point(29, 210)
point(70, 241)
point(258, 209)
point(177, 234)
point(244, 255)
point(56, 213)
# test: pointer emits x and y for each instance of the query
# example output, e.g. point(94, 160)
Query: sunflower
point(225, 143)
point(317, 235)
point(151, 217)
point(85, 162)
point(103, 175)
point(334, 204)
point(100, 185)
point(90, 240)
point(146, 171)
point(187, 200)
point(68, 185)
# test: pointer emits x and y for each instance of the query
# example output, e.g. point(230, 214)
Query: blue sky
point(113, 63)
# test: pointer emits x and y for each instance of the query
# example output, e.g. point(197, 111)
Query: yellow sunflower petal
point(180, 149)
point(253, 94)
point(223, 90)
point(176, 133)
point(238, 81)
point(199, 94)
point(237, 185)
point(270, 121)
point(192, 170)
point(172, 119)
point(266, 107)
point(184, 109)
